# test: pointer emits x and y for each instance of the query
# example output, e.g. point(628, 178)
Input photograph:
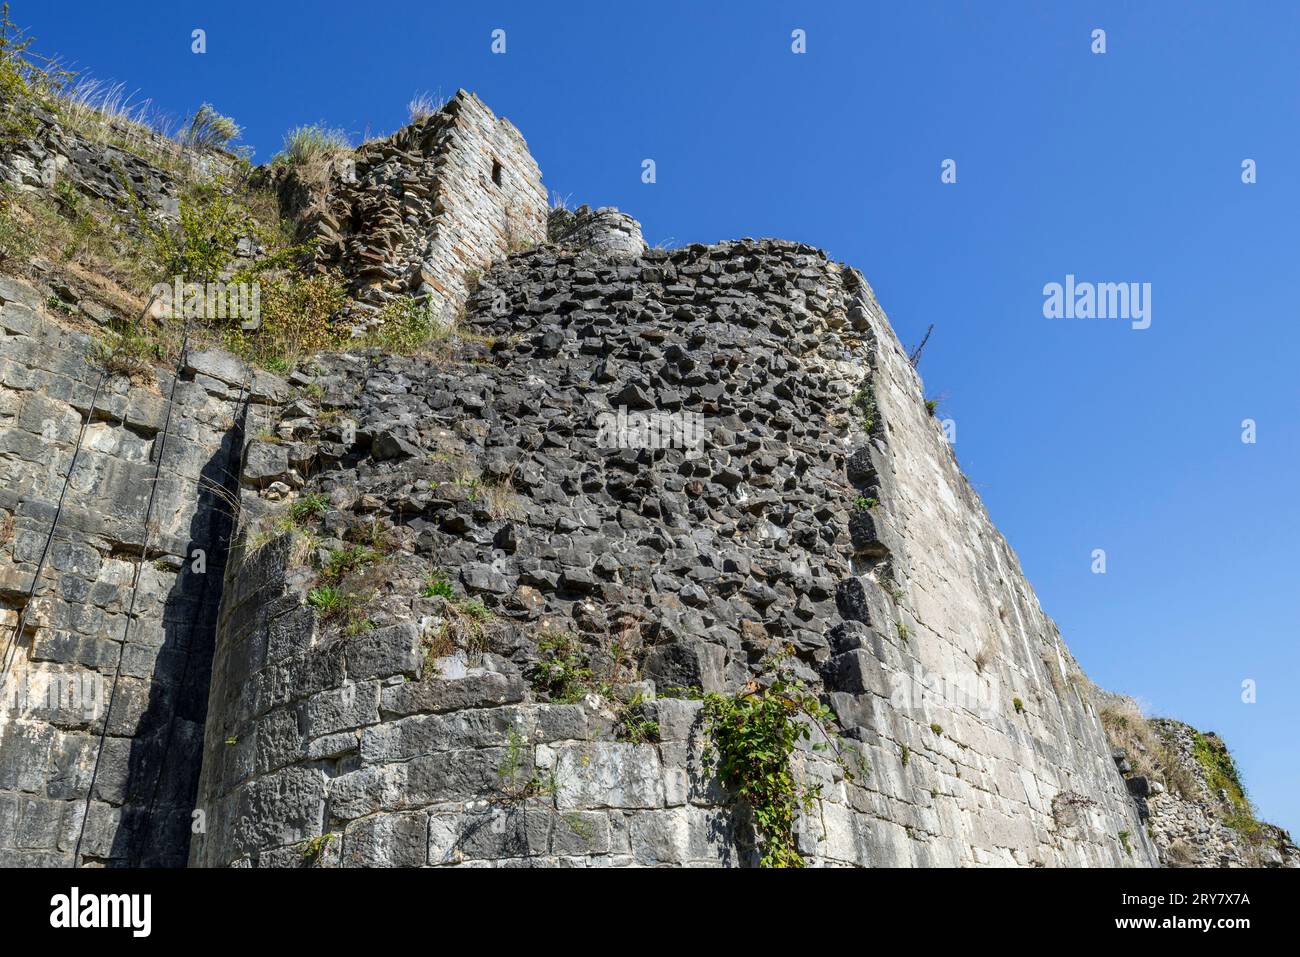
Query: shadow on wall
point(167, 750)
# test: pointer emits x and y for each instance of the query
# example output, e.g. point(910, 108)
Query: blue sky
point(1124, 166)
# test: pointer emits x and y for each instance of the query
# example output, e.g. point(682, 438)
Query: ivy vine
point(751, 737)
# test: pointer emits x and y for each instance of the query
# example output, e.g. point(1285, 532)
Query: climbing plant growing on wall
point(752, 737)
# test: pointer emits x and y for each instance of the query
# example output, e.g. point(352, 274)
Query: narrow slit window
point(496, 172)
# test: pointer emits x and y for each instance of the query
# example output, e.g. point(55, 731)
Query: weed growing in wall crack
point(436, 586)
point(864, 401)
point(752, 737)
point(309, 506)
point(563, 672)
point(633, 725)
point(328, 600)
point(314, 848)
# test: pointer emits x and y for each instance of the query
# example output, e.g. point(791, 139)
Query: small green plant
point(864, 400)
point(125, 352)
point(1018, 705)
point(328, 600)
point(349, 558)
point(309, 506)
point(633, 725)
point(937, 729)
point(406, 325)
point(864, 503)
point(435, 586)
point(907, 754)
point(475, 610)
point(931, 407)
point(903, 632)
point(519, 779)
point(751, 739)
point(359, 626)
point(314, 848)
point(15, 239)
point(1123, 840)
point(232, 740)
point(563, 672)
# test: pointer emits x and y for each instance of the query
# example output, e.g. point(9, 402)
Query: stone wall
point(423, 211)
point(820, 509)
point(77, 649)
point(604, 231)
point(671, 465)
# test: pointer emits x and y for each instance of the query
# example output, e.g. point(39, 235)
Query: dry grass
point(6, 529)
point(107, 113)
point(1054, 674)
point(497, 496)
point(425, 105)
point(1127, 728)
point(310, 149)
point(468, 625)
point(984, 657)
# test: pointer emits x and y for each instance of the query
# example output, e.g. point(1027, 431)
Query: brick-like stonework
point(59, 675)
point(683, 459)
point(911, 617)
point(423, 211)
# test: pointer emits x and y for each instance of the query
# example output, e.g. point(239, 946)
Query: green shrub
point(359, 626)
point(341, 561)
point(126, 351)
point(864, 401)
point(563, 673)
point(406, 325)
point(15, 239)
point(328, 600)
point(437, 587)
point(751, 738)
point(309, 506)
point(297, 321)
point(634, 726)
